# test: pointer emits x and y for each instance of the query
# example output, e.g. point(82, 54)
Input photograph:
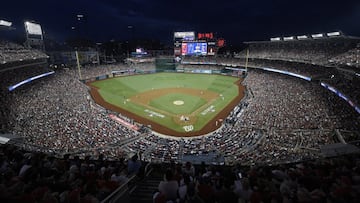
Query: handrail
point(119, 191)
point(147, 171)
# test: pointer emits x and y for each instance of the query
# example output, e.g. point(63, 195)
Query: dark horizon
point(235, 21)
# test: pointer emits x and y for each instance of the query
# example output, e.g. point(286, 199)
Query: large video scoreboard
point(194, 48)
point(201, 44)
point(189, 44)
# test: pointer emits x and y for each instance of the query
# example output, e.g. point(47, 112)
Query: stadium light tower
point(34, 35)
point(5, 23)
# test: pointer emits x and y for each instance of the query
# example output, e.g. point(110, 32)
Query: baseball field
point(177, 104)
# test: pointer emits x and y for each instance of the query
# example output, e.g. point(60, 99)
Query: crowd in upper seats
point(11, 52)
point(318, 51)
point(349, 58)
point(308, 70)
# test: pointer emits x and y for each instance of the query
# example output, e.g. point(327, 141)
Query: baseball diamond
point(175, 104)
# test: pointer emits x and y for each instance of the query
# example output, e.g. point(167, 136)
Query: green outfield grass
point(117, 91)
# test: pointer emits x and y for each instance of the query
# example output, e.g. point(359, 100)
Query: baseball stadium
point(76, 125)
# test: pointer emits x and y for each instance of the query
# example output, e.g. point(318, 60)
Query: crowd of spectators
point(279, 112)
point(278, 108)
point(38, 177)
point(220, 61)
point(305, 69)
point(281, 120)
point(190, 67)
point(11, 52)
point(309, 70)
point(318, 51)
point(347, 85)
point(344, 117)
point(323, 180)
point(9, 78)
point(57, 114)
point(349, 58)
point(284, 102)
point(94, 70)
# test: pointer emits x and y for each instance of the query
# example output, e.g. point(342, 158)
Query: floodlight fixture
point(302, 37)
point(289, 38)
point(275, 39)
point(333, 34)
point(317, 36)
point(79, 17)
point(5, 23)
point(33, 28)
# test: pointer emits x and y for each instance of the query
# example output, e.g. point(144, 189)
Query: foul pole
point(247, 59)
point(78, 63)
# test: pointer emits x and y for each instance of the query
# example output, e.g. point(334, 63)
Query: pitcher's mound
point(178, 102)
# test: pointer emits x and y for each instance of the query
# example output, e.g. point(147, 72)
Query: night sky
point(234, 20)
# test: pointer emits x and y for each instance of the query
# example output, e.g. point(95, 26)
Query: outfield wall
point(140, 72)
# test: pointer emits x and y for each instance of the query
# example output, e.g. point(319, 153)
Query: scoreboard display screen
point(194, 48)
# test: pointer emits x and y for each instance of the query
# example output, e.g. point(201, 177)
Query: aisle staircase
point(144, 191)
point(138, 189)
